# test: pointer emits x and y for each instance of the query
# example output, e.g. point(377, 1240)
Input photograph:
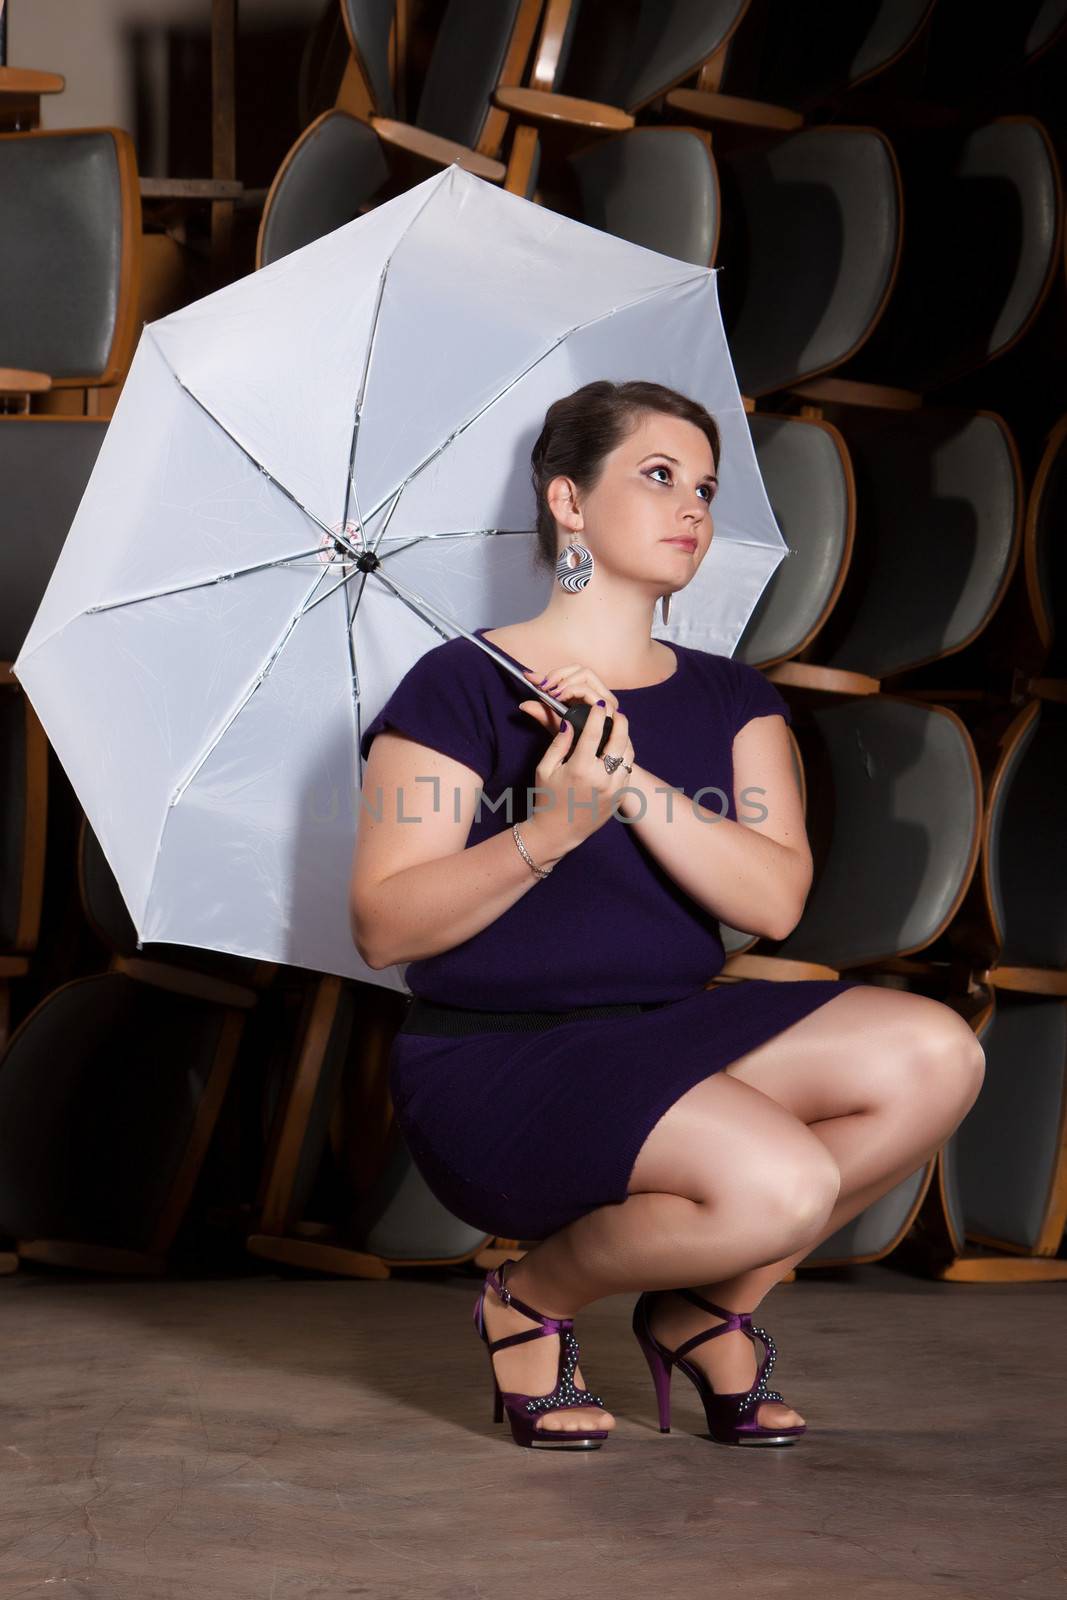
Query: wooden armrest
point(827, 680)
point(707, 107)
point(15, 381)
point(191, 189)
point(562, 110)
point(182, 980)
point(1026, 980)
point(7, 676)
point(431, 147)
point(25, 80)
point(846, 392)
point(783, 969)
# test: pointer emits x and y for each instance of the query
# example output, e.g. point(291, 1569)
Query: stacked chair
point(45, 464)
point(70, 230)
point(110, 1090)
point(887, 212)
point(359, 153)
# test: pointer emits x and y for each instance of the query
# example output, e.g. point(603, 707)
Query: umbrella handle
point(577, 714)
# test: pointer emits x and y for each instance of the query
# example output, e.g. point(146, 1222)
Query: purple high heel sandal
point(523, 1409)
point(731, 1417)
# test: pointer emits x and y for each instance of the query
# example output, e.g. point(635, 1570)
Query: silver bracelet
point(542, 872)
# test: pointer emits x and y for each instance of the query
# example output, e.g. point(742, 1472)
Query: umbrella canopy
point(311, 477)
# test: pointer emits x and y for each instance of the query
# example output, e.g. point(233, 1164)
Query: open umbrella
point(313, 476)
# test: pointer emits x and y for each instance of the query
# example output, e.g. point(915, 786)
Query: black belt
point(427, 1017)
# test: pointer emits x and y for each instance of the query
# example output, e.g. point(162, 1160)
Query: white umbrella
point(312, 477)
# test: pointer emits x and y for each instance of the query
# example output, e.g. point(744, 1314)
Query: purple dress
point(520, 1133)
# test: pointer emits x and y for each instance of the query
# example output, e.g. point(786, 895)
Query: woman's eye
point(709, 488)
point(667, 470)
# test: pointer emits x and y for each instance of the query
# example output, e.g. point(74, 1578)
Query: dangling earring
point(574, 566)
point(665, 606)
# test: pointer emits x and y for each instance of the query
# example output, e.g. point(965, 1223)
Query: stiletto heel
point(523, 1410)
point(731, 1418)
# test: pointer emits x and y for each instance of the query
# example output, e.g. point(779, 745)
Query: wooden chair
point(656, 187)
point(1012, 927)
point(811, 241)
point(894, 834)
point(334, 1109)
point(70, 228)
point(45, 464)
point(992, 194)
point(785, 61)
point(996, 1208)
point(1008, 1157)
point(110, 1090)
point(1046, 562)
point(807, 472)
point(476, 53)
point(965, 63)
point(595, 69)
point(355, 154)
point(21, 89)
point(939, 512)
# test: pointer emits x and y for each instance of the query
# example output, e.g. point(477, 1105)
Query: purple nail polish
point(601, 702)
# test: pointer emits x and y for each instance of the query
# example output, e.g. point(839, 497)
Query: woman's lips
point(688, 544)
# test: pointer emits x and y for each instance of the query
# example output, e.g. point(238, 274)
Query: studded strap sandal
point(731, 1417)
point(523, 1409)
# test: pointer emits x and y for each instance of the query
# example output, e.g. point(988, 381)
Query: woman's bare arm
point(417, 888)
point(753, 875)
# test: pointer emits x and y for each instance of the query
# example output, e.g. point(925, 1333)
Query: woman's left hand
point(573, 682)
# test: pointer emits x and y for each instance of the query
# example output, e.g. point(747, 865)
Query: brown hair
point(582, 428)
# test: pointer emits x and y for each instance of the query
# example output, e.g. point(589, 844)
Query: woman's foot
point(731, 1361)
point(533, 1367)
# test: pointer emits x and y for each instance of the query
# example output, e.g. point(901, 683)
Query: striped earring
point(574, 566)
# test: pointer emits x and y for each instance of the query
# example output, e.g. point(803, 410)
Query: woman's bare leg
point(883, 1078)
point(747, 1183)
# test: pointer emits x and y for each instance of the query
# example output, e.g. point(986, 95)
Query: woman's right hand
point(577, 795)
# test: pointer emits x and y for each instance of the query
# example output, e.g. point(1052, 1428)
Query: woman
point(563, 1073)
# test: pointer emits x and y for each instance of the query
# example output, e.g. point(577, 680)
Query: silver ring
point(612, 762)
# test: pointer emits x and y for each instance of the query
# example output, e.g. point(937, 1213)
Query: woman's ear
point(562, 498)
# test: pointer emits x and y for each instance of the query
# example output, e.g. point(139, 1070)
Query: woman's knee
point(944, 1062)
point(733, 1149)
point(795, 1193)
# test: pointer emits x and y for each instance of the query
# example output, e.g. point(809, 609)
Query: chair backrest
point(1009, 1156)
point(991, 194)
point(107, 1099)
point(796, 55)
point(368, 24)
point(893, 820)
point(1046, 549)
point(806, 471)
point(628, 52)
point(1026, 840)
point(477, 49)
point(939, 500)
point(656, 187)
point(810, 243)
point(45, 463)
point(965, 61)
point(331, 172)
point(70, 230)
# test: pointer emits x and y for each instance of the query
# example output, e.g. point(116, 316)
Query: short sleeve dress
point(520, 1133)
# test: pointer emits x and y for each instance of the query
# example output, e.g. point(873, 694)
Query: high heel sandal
point(731, 1417)
point(523, 1410)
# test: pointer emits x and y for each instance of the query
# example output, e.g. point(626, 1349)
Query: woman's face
point(654, 490)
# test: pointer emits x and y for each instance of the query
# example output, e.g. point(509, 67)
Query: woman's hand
point(565, 822)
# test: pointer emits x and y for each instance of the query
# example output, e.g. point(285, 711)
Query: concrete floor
point(297, 1439)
